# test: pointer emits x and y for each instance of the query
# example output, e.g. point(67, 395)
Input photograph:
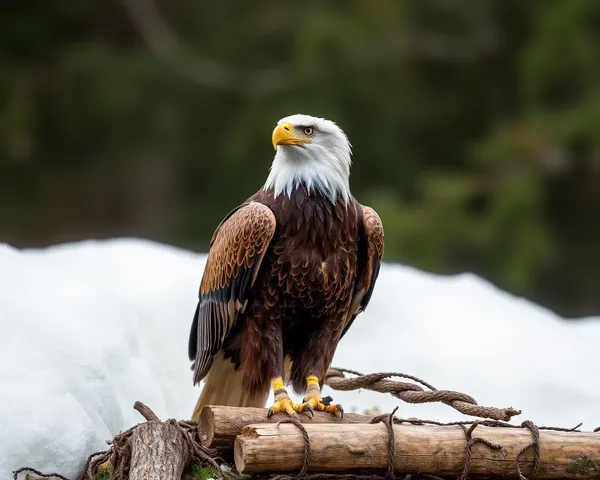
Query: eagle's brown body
point(286, 274)
point(301, 301)
point(302, 293)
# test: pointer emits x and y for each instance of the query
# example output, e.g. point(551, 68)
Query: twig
point(146, 412)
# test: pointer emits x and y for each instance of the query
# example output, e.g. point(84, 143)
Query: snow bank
point(88, 328)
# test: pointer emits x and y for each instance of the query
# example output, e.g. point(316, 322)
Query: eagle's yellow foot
point(286, 405)
point(317, 403)
point(282, 403)
point(313, 400)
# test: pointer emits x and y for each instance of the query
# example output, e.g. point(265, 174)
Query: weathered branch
point(424, 449)
point(145, 411)
point(219, 425)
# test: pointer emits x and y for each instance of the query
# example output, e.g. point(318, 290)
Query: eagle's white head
point(311, 151)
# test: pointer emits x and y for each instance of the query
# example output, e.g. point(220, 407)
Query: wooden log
point(219, 425)
point(435, 450)
point(158, 450)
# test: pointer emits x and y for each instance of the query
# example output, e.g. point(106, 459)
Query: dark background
point(475, 124)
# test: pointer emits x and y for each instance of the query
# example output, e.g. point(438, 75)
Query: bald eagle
point(287, 273)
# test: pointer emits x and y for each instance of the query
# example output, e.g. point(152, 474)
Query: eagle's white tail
point(223, 386)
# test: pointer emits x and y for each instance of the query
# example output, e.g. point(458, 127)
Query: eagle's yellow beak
point(282, 135)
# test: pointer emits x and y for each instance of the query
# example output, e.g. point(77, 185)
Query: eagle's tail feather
point(224, 386)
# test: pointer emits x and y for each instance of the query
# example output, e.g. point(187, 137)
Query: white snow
point(88, 328)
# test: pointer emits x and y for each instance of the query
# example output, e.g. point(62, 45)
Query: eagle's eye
point(308, 131)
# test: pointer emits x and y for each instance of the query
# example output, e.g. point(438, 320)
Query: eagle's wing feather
point(370, 253)
point(237, 249)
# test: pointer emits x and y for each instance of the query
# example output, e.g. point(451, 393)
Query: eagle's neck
point(311, 224)
point(294, 167)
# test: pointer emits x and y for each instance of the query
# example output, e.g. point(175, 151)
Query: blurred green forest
point(475, 124)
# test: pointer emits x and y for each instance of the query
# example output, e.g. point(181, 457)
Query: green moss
point(583, 465)
point(198, 472)
point(104, 471)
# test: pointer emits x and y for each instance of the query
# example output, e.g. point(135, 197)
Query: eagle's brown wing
point(370, 253)
point(237, 249)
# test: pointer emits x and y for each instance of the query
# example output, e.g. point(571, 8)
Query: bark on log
point(421, 449)
point(158, 451)
point(219, 425)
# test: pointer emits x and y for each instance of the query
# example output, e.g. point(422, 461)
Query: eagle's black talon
point(309, 409)
point(341, 410)
point(270, 412)
point(327, 400)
